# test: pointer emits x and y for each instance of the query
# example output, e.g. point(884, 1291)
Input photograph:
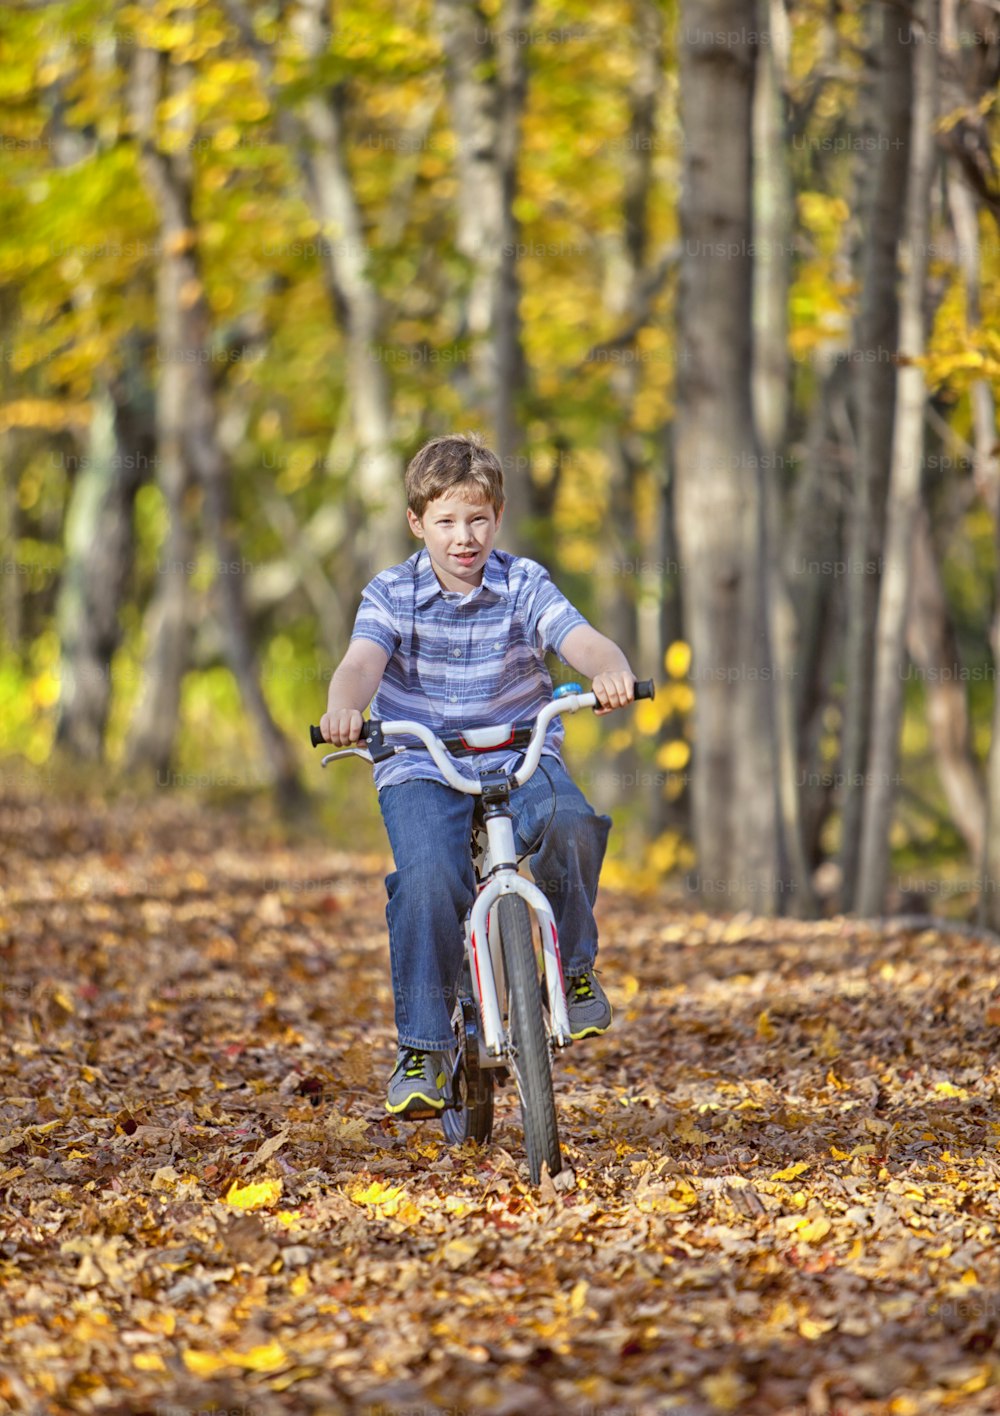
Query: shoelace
point(414, 1064)
point(582, 991)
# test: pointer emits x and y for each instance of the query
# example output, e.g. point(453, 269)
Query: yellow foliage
point(45, 689)
point(259, 1195)
point(813, 1230)
point(679, 697)
point(823, 214)
point(677, 1197)
point(791, 1172)
point(811, 1330)
point(389, 1200)
point(149, 1362)
point(268, 1357)
point(674, 756)
point(677, 660)
point(725, 1390)
point(765, 1029)
point(50, 414)
point(163, 1320)
point(663, 855)
point(648, 716)
point(578, 1297)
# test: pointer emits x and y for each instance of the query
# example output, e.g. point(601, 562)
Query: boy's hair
point(447, 463)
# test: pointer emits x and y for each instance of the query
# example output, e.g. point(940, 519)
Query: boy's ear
point(414, 523)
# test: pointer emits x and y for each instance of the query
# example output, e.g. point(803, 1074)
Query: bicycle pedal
point(426, 1113)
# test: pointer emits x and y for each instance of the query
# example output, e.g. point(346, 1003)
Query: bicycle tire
point(471, 1119)
point(532, 1063)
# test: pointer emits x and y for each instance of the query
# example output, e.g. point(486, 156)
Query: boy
point(455, 637)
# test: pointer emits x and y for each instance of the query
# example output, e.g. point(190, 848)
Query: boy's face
point(458, 529)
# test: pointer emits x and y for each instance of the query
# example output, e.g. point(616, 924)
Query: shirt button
point(456, 653)
point(498, 644)
point(454, 698)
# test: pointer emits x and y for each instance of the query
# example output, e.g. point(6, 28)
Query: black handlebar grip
point(644, 688)
point(318, 740)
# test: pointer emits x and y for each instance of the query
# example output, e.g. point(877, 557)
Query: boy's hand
point(613, 690)
point(341, 727)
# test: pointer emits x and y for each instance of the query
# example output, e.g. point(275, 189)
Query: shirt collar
point(494, 582)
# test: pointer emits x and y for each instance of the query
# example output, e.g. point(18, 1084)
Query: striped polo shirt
point(463, 661)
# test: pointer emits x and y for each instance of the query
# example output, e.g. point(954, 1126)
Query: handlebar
point(317, 739)
point(644, 688)
point(530, 735)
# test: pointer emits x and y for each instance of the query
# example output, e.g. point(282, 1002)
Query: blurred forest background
point(719, 281)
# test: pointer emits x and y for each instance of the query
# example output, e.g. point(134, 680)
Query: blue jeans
point(429, 827)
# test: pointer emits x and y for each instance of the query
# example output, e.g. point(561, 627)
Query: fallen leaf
point(791, 1172)
point(258, 1195)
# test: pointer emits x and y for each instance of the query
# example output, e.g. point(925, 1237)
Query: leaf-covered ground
point(783, 1188)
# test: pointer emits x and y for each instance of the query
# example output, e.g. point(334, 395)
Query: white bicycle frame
point(482, 928)
point(500, 866)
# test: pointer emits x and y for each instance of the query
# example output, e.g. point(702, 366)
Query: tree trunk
point(487, 79)
point(11, 465)
point(313, 132)
point(875, 392)
point(932, 647)
point(98, 527)
point(966, 82)
point(166, 626)
point(99, 549)
point(904, 476)
point(989, 892)
point(381, 528)
point(673, 812)
point(773, 209)
point(718, 503)
point(816, 541)
point(169, 180)
point(629, 580)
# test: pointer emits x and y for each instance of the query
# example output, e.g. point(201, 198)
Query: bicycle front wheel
point(531, 1062)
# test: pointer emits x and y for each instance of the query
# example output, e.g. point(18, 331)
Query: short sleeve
point(549, 616)
point(376, 618)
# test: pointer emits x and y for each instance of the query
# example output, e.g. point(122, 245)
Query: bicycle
point(507, 1020)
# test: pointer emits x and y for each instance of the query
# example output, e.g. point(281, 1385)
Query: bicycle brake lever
point(370, 735)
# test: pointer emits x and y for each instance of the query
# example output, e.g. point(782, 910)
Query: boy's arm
point(600, 660)
point(352, 688)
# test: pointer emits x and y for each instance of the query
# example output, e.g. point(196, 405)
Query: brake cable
point(539, 838)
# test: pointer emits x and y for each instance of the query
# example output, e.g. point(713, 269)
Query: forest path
point(781, 1192)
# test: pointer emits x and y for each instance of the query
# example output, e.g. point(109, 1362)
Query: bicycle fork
point(483, 937)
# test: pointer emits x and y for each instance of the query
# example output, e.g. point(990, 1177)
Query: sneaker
point(587, 1005)
point(417, 1085)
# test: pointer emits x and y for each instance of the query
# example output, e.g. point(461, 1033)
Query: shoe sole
point(411, 1115)
point(416, 1108)
point(591, 1031)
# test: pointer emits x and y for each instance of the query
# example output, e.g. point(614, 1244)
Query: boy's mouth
point(465, 558)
